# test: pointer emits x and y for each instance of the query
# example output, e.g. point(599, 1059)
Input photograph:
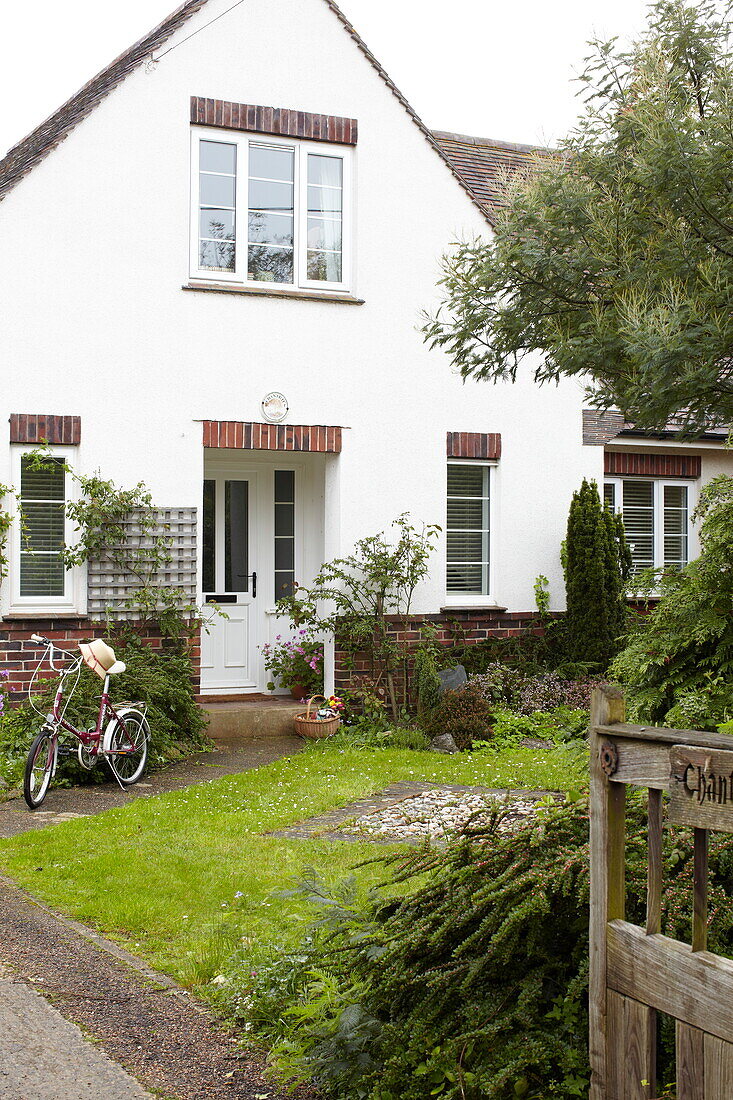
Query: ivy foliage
point(678, 662)
point(597, 562)
point(614, 258)
point(473, 986)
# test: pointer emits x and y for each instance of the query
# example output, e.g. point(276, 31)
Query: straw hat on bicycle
point(101, 658)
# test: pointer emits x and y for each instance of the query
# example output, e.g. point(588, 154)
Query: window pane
point(45, 483)
point(41, 575)
point(217, 191)
point(236, 536)
point(216, 156)
point(270, 228)
point(609, 495)
point(208, 580)
point(465, 578)
point(324, 233)
point(269, 163)
point(271, 197)
point(324, 200)
point(284, 585)
point(284, 519)
point(284, 486)
point(465, 481)
point(325, 266)
point(465, 513)
point(43, 526)
point(272, 265)
point(326, 171)
point(218, 224)
point(284, 554)
point(465, 546)
point(216, 255)
point(638, 513)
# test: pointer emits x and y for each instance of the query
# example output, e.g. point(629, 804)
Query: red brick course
point(473, 445)
point(618, 464)
point(453, 628)
point(20, 656)
point(45, 428)
point(252, 436)
point(273, 120)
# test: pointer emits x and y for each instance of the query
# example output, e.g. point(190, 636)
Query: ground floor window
point(469, 528)
point(656, 518)
point(40, 579)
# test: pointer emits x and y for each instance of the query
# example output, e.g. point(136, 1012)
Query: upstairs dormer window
point(270, 211)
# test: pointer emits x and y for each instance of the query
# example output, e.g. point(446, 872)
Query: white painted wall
point(95, 323)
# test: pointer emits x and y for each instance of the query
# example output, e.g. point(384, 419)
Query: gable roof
point(29, 152)
point(485, 165)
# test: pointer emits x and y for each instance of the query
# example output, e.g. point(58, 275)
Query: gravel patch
point(437, 814)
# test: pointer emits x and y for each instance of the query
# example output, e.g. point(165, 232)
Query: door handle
point(253, 577)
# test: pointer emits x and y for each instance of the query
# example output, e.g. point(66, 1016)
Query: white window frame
point(475, 599)
point(73, 599)
point(659, 485)
point(301, 148)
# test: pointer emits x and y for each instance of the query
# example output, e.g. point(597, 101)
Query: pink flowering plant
point(295, 663)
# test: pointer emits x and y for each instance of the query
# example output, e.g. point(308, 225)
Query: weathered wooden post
point(636, 972)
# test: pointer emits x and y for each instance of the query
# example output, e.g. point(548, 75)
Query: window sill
point(473, 607)
point(58, 613)
point(269, 292)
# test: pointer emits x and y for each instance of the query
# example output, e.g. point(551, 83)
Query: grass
point(162, 874)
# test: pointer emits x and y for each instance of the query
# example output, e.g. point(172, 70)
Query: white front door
point(229, 658)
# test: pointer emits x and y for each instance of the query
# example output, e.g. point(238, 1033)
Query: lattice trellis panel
point(108, 586)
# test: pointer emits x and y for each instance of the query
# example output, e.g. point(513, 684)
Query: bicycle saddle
point(100, 658)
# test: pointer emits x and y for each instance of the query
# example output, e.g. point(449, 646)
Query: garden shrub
point(465, 715)
point(474, 985)
point(678, 662)
point(426, 679)
point(558, 725)
point(596, 563)
point(506, 686)
point(160, 677)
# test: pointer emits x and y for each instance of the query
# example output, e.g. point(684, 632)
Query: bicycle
point(123, 742)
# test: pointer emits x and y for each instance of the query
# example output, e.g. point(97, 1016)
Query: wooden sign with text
point(701, 788)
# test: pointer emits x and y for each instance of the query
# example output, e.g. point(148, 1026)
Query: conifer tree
point(596, 566)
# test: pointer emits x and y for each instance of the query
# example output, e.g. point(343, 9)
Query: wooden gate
point(635, 972)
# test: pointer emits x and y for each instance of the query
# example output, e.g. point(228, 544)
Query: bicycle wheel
point(128, 747)
point(39, 769)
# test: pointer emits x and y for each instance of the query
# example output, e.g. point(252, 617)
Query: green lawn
point(161, 874)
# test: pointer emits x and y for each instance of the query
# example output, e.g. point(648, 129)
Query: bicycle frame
point(90, 739)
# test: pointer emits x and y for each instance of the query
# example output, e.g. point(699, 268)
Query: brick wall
point(454, 628)
point(20, 656)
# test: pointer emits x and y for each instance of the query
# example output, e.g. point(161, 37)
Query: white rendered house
point(217, 258)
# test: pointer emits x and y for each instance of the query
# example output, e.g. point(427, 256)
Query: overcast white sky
point(495, 68)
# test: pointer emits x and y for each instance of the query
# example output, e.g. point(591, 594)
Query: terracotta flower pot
point(298, 692)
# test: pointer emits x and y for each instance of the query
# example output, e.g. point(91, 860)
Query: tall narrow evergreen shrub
point(596, 565)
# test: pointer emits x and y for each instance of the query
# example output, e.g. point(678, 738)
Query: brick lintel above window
point(273, 120)
point(622, 464)
point(253, 436)
point(45, 428)
point(482, 445)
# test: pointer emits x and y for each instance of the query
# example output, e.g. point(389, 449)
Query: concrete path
point(228, 758)
point(44, 1057)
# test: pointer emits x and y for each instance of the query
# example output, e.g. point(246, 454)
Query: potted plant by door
point(295, 663)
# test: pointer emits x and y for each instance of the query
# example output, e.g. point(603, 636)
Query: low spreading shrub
point(505, 686)
point(474, 985)
point(159, 677)
point(465, 715)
